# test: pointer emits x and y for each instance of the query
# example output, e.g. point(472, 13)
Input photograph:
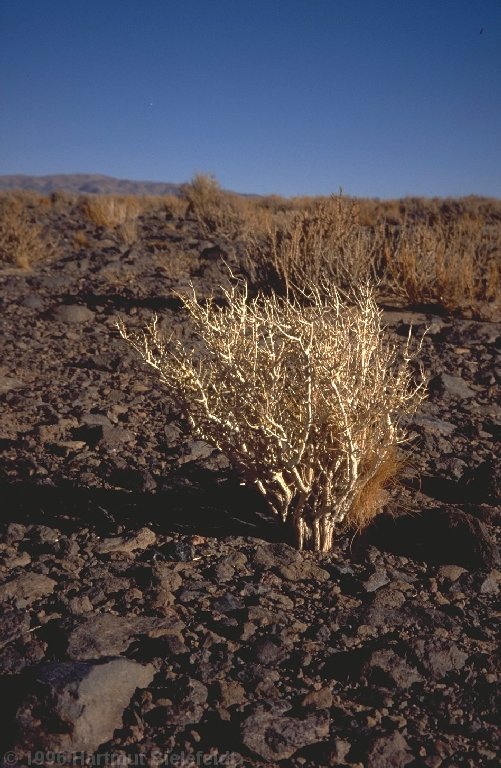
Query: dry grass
point(109, 211)
point(21, 239)
point(454, 264)
point(445, 252)
point(81, 239)
point(127, 233)
point(321, 243)
point(222, 213)
point(374, 494)
point(175, 207)
point(304, 395)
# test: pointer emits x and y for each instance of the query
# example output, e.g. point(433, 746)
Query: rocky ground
point(151, 613)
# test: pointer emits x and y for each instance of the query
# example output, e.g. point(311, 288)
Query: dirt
point(151, 610)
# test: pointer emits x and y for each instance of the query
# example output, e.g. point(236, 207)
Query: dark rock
point(76, 706)
point(439, 657)
point(13, 625)
point(93, 434)
point(182, 703)
point(275, 737)
point(32, 301)
point(389, 752)
point(454, 386)
point(387, 668)
point(109, 635)
point(14, 532)
point(28, 587)
point(320, 699)
point(227, 603)
point(434, 426)
point(178, 550)
point(8, 383)
point(376, 580)
point(228, 693)
point(73, 313)
point(267, 650)
point(490, 585)
point(127, 543)
point(270, 555)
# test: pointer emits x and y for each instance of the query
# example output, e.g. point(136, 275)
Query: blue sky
point(380, 97)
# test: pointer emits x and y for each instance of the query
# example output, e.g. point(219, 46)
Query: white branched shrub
point(303, 394)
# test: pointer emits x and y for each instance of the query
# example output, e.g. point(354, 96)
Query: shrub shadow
point(191, 501)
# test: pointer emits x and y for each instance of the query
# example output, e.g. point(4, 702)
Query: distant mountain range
point(87, 183)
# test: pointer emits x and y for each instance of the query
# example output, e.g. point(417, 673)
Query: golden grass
point(21, 238)
point(221, 213)
point(454, 264)
point(445, 252)
point(373, 495)
point(111, 211)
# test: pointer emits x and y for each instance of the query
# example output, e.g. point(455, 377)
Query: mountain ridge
point(86, 183)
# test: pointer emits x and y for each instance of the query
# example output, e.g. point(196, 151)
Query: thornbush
point(304, 397)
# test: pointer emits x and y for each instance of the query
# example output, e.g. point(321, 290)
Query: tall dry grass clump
point(118, 214)
point(111, 211)
point(321, 243)
point(454, 263)
point(224, 214)
point(303, 394)
point(21, 238)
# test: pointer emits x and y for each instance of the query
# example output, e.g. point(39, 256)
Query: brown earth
point(150, 608)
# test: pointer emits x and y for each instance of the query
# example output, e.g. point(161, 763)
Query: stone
point(433, 426)
point(76, 706)
point(92, 434)
point(387, 668)
point(454, 386)
point(321, 699)
point(440, 657)
point(450, 572)
point(14, 532)
point(229, 693)
point(178, 550)
point(73, 313)
point(273, 737)
point(13, 625)
point(8, 383)
point(389, 752)
point(109, 635)
point(186, 702)
point(127, 543)
point(490, 585)
point(270, 555)
point(376, 580)
point(27, 586)
point(267, 650)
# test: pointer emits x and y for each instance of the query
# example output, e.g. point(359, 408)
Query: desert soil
point(151, 611)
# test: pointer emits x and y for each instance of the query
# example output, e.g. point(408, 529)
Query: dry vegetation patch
point(21, 238)
point(303, 394)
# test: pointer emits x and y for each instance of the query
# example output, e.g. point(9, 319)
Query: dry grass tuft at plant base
point(21, 240)
point(304, 395)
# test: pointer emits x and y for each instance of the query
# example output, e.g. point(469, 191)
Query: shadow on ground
point(195, 501)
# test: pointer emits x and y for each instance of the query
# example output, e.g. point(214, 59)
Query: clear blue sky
point(380, 97)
